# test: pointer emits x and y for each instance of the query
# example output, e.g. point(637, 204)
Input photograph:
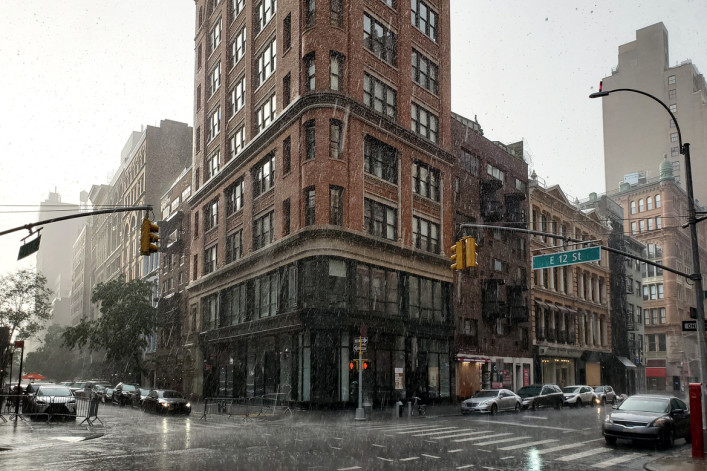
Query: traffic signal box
point(148, 237)
point(353, 365)
point(464, 254)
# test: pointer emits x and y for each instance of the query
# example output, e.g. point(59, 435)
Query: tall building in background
point(638, 132)
point(320, 206)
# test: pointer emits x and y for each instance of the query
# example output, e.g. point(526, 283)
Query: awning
point(655, 372)
point(472, 358)
point(563, 309)
point(542, 304)
point(626, 362)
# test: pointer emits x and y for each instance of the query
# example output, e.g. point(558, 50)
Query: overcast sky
point(77, 76)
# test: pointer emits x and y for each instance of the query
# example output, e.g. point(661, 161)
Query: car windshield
point(571, 389)
point(171, 394)
point(599, 389)
point(529, 391)
point(144, 392)
point(129, 387)
point(58, 392)
point(491, 393)
point(645, 404)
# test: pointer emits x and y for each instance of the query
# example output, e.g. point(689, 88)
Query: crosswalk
point(507, 444)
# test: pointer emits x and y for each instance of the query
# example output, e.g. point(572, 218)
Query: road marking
point(349, 469)
point(564, 447)
point(470, 439)
point(464, 434)
point(442, 430)
point(425, 430)
point(409, 459)
point(504, 440)
point(515, 424)
point(584, 454)
point(506, 457)
point(335, 447)
point(430, 456)
point(379, 446)
point(617, 460)
point(398, 427)
point(455, 451)
point(385, 459)
point(466, 466)
point(337, 438)
point(526, 445)
point(534, 417)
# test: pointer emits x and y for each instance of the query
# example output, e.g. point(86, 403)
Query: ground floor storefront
point(475, 372)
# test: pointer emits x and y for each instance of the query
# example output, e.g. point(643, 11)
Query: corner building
point(322, 170)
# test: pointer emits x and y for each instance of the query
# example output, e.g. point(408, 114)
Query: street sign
point(361, 344)
point(691, 326)
point(591, 254)
point(363, 348)
point(29, 248)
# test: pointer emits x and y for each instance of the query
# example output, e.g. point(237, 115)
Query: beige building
point(637, 130)
point(571, 319)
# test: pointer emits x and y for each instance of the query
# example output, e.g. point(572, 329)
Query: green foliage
point(24, 303)
point(53, 359)
point(127, 317)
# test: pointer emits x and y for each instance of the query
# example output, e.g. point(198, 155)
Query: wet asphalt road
point(545, 440)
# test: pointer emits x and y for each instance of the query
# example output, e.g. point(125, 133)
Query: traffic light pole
point(360, 413)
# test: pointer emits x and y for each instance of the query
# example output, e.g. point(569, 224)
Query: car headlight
point(188, 404)
point(659, 422)
point(607, 419)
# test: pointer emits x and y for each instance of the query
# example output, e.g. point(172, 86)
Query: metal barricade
point(87, 407)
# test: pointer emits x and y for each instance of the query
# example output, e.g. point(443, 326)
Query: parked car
point(656, 418)
point(166, 401)
point(124, 394)
point(88, 388)
point(108, 396)
point(51, 400)
point(605, 395)
point(535, 396)
point(492, 401)
point(141, 398)
point(578, 395)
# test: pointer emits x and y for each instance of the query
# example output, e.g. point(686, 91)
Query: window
point(265, 289)
point(657, 201)
point(633, 207)
point(336, 13)
point(213, 164)
point(237, 97)
point(287, 32)
point(310, 206)
point(672, 94)
point(425, 299)
point(336, 71)
point(197, 139)
point(265, 114)
point(286, 155)
point(642, 225)
point(234, 246)
point(263, 231)
point(214, 123)
point(214, 79)
point(673, 108)
point(649, 203)
point(336, 205)
point(377, 289)
point(210, 215)
point(650, 224)
point(236, 142)
point(641, 207)
point(266, 62)
point(470, 162)
point(265, 12)
point(198, 57)
point(380, 160)
point(210, 259)
point(671, 80)
point(234, 309)
point(238, 47)
point(309, 67)
point(286, 216)
point(215, 36)
point(424, 19)
point(209, 311)
point(380, 40)
point(674, 151)
point(234, 196)
point(423, 122)
point(673, 137)
point(264, 175)
point(425, 235)
point(658, 222)
point(379, 96)
point(198, 97)
point(310, 13)
point(662, 315)
point(196, 224)
point(286, 90)
point(424, 72)
point(380, 220)
point(336, 138)
point(425, 180)
point(237, 7)
point(310, 140)
point(661, 342)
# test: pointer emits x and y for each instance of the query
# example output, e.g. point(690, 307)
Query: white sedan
point(578, 396)
point(492, 401)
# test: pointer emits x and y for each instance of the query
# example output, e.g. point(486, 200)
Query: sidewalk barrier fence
point(87, 407)
point(45, 408)
point(268, 404)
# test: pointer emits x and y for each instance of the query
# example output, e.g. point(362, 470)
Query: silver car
point(578, 395)
point(492, 401)
point(51, 400)
point(605, 395)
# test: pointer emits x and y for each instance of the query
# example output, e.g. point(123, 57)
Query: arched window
point(649, 203)
point(641, 206)
point(633, 207)
point(657, 201)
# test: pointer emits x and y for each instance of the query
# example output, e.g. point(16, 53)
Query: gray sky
point(77, 76)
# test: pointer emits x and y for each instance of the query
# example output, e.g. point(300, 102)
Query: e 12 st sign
point(591, 254)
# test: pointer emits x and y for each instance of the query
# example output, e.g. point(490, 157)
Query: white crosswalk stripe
point(462, 434)
point(481, 438)
point(617, 460)
point(429, 429)
point(503, 440)
point(564, 447)
point(584, 454)
point(528, 445)
point(437, 432)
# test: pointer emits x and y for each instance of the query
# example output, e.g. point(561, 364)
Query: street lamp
point(692, 221)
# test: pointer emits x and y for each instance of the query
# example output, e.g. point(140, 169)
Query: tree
point(127, 318)
point(53, 359)
point(24, 303)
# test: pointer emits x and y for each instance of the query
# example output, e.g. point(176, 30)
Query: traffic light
point(458, 256)
point(352, 366)
point(148, 237)
point(365, 365)
point(470, 252)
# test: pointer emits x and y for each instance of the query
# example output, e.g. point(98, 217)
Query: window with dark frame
point(310, 72)
point(234, 196)
point(286, 216)
point(425, 235)
point(286, 90)
point(379, 39)
point(336, 71)
point(287, 32)
point(310, 206)
point(336, 138)
point(234, 246)
point(336, 205)
point(424, 122)
point(380, 159)
point(264, 175)
point(425, 179)
point(336, 13)
point(263, 231)
point(380, 220)
point(310, 140)
point(425, 72)
point(310, 13)
point(210, 259)
point(210, 215)
point(424, 19)
point(380, 97)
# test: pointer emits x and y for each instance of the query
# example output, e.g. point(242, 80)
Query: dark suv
point(541, 395)
point(126, 394)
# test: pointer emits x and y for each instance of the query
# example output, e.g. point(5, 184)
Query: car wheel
point(533, 406)
point(494, 409)
point(610, 440)
point(579, 404)
point(688, 437)
point(591, 403)
point(558, 405)
point(603, 401)
point(667, 438)
point(517, 408)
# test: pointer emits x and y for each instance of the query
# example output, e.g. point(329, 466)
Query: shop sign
point(399, 378)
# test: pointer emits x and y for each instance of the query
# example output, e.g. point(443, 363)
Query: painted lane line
point(349, 469)
point(563, 447)
point(534, 417)
point(434, 443)
point(337, 438)
point(335, 447)
point(433, 429)
point(379, 446)
point(504, 440)
point(430, 456)
point(617, 460)
point(400, 427)
point(437, 432)
point(527, 445)
point(584, 454)
point(471, 439)
point(466, 466)
point(385, 459)
point(455, 451)
point(409, 459)
point(454, 435)
point(538, 426)
point(506, 457)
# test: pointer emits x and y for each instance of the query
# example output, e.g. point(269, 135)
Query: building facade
point(321, 175)
point(571, 317)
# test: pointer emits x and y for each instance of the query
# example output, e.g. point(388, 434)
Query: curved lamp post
point(696, 276)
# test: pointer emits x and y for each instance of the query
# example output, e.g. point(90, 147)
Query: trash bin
point(409, 408)
point(398, 409)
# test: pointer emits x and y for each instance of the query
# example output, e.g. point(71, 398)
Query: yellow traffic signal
point(458, 256)
point(148, 237)
point(470, 252)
